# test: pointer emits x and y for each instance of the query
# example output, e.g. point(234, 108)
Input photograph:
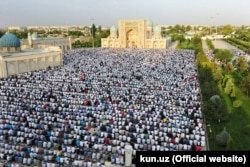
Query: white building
point(34, 40)
point(13, 28)
point(14, 60)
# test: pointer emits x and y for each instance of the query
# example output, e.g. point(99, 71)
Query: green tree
point(188, 28)
point(224, 81)
point(229, 67)
point(217, 73)
point(227, 29)
point(230, 144)
point(75, 33)
point(178, 37)
point(246, 130)
point(99, 36)
point(223, 138)
point(223, 55)
point(233, 92)
point(237, 103)
point(99, 28)
point(241, 64)
point(215, 109)
point(93, 30)
point(201, 57)
point(196, 40)
point(21, 34)
point(229, 86)
point(210, 44)
point(1, 33)
point(77, 44)
point(245, 84)
point(55, 32)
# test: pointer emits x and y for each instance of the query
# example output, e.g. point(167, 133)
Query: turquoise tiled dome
point(113, 29)
point(34, 35)
point(157, 29)
point(9, 40)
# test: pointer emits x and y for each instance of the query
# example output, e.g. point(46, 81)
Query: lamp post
point(217, 14)
point(211, 31)
point(92, 33)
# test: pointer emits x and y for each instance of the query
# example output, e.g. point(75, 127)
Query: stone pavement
point(174, 44)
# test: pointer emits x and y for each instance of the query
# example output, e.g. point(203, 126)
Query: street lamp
point(92, 32)
point(217, 15)
point(211, 31)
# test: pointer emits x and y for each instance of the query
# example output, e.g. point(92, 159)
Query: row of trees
point(210, 44)
point(241, 38)
point(242, 33)
point(54, 32)
point(214, 107)
point(243, 45)
point(209, 76)
point(176, 29)
point(89, 42)
point(181, 29)
point(229, 66)
point(230, 75)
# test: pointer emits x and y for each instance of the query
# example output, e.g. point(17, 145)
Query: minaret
point(70, 43)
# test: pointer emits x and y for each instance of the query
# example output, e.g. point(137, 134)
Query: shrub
point(230, 145)
point(222, 138)
point(246, 130)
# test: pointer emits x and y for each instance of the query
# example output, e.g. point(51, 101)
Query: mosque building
point(135, 34)
point(33, 40)
point(15, 59)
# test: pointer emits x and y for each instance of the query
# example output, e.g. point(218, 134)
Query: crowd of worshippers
point(85, 112)
point(238, 52)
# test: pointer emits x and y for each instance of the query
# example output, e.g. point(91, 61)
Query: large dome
point(9, 40)
point(113, 29)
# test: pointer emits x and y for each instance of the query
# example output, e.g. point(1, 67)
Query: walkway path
point(174, 44)
point(204, 45)
point(221, 44)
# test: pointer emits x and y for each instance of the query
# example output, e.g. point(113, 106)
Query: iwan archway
point(131, 37)
point(135, 34)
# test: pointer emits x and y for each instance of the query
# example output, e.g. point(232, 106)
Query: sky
point(107, 12)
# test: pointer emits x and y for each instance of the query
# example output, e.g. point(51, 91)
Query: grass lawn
point(238, 119)
point(185, 45)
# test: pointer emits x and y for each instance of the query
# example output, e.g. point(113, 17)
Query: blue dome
point(9, 40)
point(157, 29)
point(149, 22)
point(113, 29)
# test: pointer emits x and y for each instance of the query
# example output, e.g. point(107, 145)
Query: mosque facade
point(34, 40)
point(135, 34)
point(16, 60)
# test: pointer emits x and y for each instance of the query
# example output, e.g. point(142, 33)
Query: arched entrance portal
point(131, 37)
